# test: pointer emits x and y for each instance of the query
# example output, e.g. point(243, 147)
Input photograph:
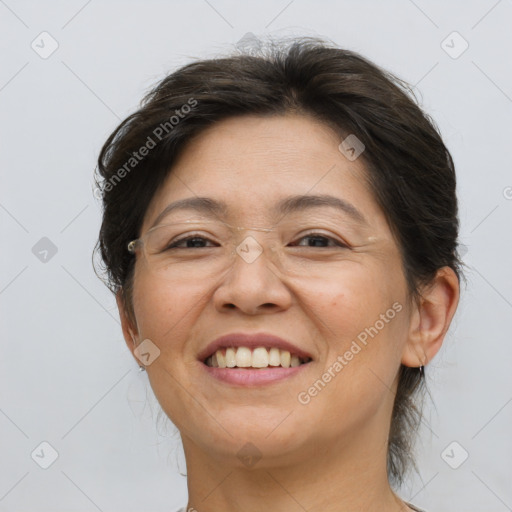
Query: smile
point(259, 357)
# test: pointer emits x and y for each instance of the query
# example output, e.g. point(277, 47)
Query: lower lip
point(253, 377)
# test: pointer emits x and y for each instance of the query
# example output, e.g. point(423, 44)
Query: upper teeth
point(260, 357)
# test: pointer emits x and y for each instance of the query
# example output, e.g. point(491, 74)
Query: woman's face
point(345, 306)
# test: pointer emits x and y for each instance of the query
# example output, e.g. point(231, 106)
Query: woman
point(280, 232)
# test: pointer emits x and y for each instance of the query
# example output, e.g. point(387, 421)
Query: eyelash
point(337, 243)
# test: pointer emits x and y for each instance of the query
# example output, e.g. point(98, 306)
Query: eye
point(319, 239)
point(194, 239)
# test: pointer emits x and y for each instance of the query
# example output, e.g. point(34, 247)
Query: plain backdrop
point(67, 379)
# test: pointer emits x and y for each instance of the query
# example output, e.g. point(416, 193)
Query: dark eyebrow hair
point(214, 208)
point(204, 205)
point(303, 202)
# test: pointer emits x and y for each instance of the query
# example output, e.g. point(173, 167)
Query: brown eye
point(321, 240)
point(177, 244)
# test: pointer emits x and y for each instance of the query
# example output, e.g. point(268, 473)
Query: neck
point(324, 477)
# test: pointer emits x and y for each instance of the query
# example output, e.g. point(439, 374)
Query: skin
point(327, 455)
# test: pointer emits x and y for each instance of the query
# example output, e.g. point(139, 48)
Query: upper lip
point(254, 340)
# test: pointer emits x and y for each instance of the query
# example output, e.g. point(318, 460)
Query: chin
point(271, 434)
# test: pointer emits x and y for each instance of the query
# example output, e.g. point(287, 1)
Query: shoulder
point(410, 505)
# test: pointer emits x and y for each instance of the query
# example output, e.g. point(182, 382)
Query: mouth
point(254, 358)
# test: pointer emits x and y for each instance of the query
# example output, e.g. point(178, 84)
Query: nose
point(252, 284)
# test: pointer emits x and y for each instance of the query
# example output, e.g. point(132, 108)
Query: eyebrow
point(291, 204)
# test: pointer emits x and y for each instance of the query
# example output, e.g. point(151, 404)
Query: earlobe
point(432, 317)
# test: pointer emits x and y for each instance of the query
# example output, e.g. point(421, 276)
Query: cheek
point(362, 316)
point(362, 319)
point(166, 313)
point(355, 295)
point(163, 308)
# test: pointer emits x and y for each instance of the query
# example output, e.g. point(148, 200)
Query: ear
point(129, 330)
point(431, 318)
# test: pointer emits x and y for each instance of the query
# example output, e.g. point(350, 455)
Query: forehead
point(251, 163)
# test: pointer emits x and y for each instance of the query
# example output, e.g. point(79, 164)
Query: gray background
point(66, 375)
